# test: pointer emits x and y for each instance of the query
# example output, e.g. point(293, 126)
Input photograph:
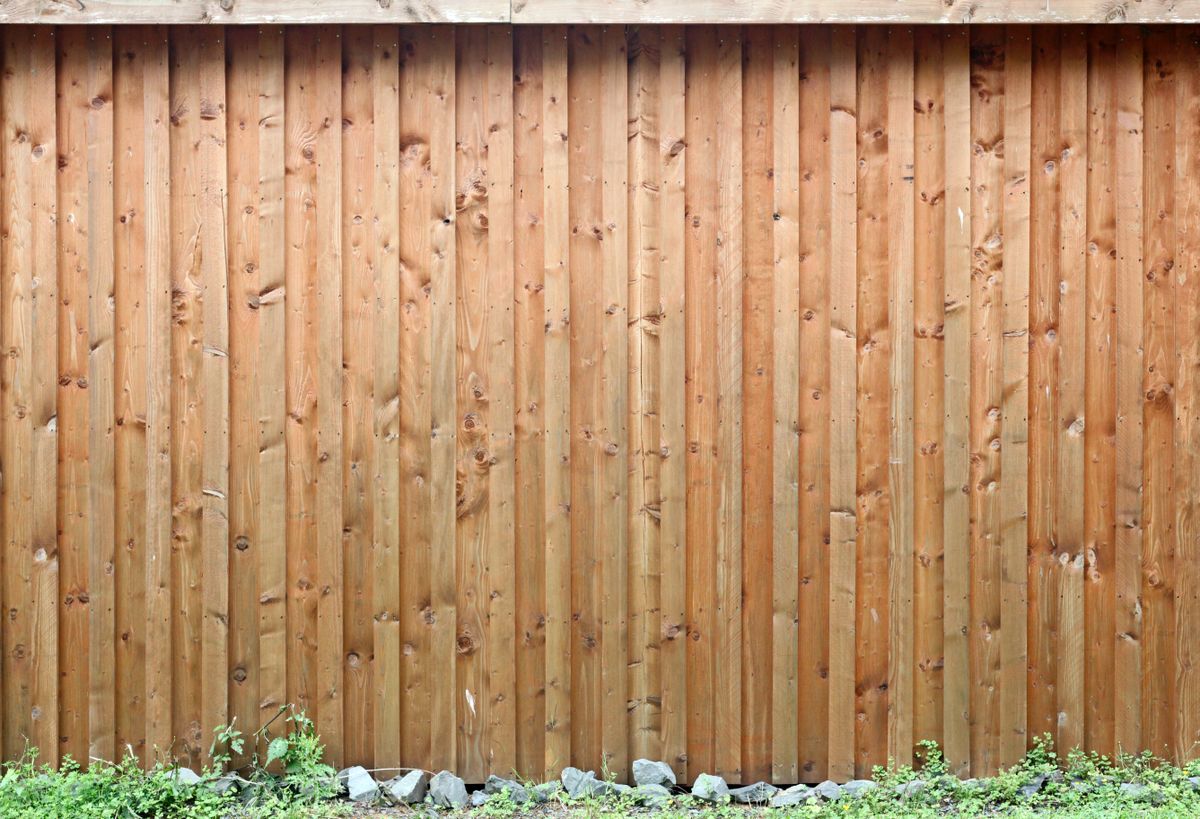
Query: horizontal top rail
point(598, 11)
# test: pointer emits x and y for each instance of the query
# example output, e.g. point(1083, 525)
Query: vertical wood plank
point(501, 546)
point(786, 723)
point(701, 266)
point(43, 408)
point(84, 76)
point(1130, 356)
point(1072, 169)
point(389, 617)
point(613, 432)
point(300, 263)
point(485, 311)
point(214, 375)
point(1101, 395)
point(99, 374)
point(245, 338)
point(557, 305)
point(1158, 387)
point(644, 319)
point(1044, 373)
point(529, 384)
point(757, 367)
point(272, 393)
point(1014, 406)
point(472, 55)
point(328, 337)
point(874, 344)
point(442, 94)
point(957, 386)
point(673, 447)
point(813, 308)
point(189, 227)
point(843, 322)
point(156, 283)
point(28, 378)
point(901, 546)
point(1187, 406)
point(929, 400)
point(358, 288)
point(986, 390)
point(136, 75)
point(729, 275)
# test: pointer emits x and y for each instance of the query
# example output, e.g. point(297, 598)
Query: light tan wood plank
point(1187, 389)
point(1014, 408)
point(442, 93)
point(843, 325)
point(672, 146)
point(986, 391)
point(529, 388)
point(243, 12)
point(786, 683)
point(957, 385)
point(557, 306)
point(77, 87)
point(272, 396)
point(1159, 265)
point(901, 546)
point(131, 396)
point(815, 276)
point(389, 520)
point(358, 283)
point(757, 430)
point(158, 184)
point(1127, 109)
point(861, 11)
point(929, 399)
point(1072, 169)
point(645, 733)
point(243, 219)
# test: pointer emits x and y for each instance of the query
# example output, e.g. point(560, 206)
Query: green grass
point(285, 776)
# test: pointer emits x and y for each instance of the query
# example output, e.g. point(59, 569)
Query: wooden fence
point(764, 400)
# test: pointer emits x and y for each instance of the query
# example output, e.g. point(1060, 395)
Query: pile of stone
point(655, 786)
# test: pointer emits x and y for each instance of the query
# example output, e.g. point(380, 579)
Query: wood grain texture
point(237, 12)
point(951, 12)
point(764, 400)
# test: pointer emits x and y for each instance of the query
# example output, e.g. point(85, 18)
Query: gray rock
point(582, 784)
point(652, 796)
point(857, 787)
point(793, 796)
point(620, 789)
point(1134, 790)
point(1031, 788)
point(447, 790)
point(907, 790)
point(358, 783)
point(1194, 781)
point(757, 794)
point(409, 788)
point(517, 793)
point(650, 772)
point(545, 791)
point(227, 783)
point(973, 784)
point(183, 776)
point(573, 781)
point(479, 799)
point(828, 790)
point(710, 788)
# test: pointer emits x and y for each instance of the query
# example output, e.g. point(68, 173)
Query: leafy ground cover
point(286, 777)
